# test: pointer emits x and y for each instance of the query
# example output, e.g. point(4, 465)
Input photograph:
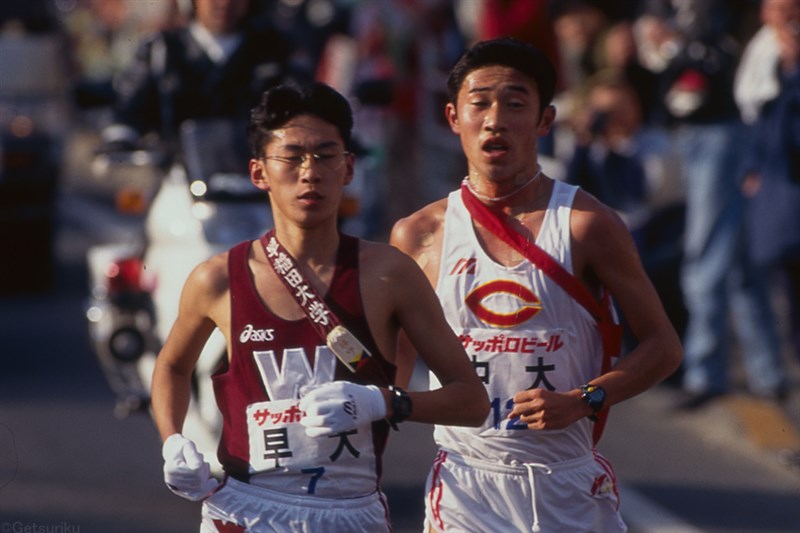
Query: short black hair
point(509, 52)
point(282, 103)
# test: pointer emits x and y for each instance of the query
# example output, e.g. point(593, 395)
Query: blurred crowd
point(681, 115)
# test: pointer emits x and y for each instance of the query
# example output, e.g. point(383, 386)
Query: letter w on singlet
point(284, 383)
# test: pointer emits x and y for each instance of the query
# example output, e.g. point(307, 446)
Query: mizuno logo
point(464, 266)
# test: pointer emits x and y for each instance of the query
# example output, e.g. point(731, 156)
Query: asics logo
point(249, 333)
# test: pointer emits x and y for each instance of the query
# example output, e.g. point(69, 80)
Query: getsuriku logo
point(529, 303)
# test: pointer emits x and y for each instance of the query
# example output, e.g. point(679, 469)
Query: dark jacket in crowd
point(172, 80)
point(774, 212)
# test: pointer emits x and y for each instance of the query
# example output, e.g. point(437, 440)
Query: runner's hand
point(185, 471)
point(341, 406)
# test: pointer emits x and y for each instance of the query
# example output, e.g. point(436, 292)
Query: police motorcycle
point(203, 204)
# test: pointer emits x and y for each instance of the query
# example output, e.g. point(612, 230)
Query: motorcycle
point(203, 205)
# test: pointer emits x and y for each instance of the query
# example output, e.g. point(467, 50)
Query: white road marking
point(645, 516)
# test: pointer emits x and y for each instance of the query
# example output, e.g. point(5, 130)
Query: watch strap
point(401, 406)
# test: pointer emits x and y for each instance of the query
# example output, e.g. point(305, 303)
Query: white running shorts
point(239, 507)
point(579, 495)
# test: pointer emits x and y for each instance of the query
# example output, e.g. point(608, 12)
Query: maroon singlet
point(255, 329)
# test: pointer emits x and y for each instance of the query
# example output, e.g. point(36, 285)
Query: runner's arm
point(172, 376)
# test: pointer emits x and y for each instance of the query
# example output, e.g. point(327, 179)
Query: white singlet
point(521, 330)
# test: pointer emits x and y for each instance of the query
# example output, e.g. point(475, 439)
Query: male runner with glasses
point(303, 432)
point(532, 319)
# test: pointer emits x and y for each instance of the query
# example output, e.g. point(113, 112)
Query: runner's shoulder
point(414, 232)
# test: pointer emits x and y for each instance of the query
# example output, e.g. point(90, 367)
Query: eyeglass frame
point(306, 157)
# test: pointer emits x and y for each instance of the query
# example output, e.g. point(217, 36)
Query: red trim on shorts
point(435, 493)
point(606, 464)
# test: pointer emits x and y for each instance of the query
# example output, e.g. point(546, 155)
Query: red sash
point(342, 343)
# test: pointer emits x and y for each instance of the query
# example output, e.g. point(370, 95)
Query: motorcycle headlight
point(127, 344)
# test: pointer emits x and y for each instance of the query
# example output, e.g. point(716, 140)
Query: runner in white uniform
point(531, 466)
point(521, 330)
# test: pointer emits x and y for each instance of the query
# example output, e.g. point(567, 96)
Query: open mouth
point(495, 146)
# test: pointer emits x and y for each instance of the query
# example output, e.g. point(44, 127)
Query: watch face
point(595, 396)
point(598, 395)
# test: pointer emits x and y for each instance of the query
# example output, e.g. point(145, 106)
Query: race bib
point(284, 458)
point(508, 362)
point(277, 439)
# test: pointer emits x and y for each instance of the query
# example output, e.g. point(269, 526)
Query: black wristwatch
point(401, 405)
point(595, 397)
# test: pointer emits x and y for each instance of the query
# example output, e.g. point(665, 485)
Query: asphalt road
point(66, 462)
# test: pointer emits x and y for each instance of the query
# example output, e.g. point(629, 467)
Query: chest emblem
point(479, 300)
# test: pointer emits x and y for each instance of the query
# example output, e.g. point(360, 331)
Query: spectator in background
point(103, 38)
point(311, 23)
point(757, 78)
point(102, 34)
point(525, 20)
point(691, 47)
point(216, 66)
point(616, 51)
point(358, 62)
point(392, 63)
point(768, 93)
point(577, 25)
point(633, 169)
point(439, 44)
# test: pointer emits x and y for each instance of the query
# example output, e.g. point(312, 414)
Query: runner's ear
point(546, 121)
point(451, 114)
point(258, 175)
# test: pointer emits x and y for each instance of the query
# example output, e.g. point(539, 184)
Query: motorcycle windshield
point(216, 156)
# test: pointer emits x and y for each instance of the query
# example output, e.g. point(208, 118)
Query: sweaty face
point(305, 169)
point(498, 119)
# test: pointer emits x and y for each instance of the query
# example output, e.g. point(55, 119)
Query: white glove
point(185, 471)
point(341, 406)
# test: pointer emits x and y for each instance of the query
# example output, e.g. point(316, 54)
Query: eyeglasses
point(326, 161)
